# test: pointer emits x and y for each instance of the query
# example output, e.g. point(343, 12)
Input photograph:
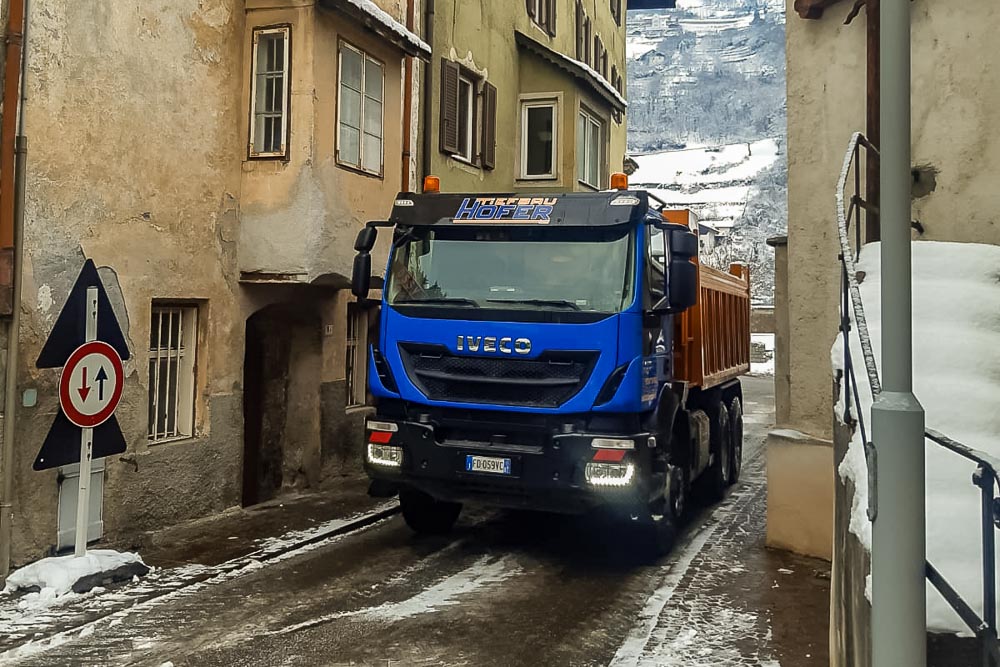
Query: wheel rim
point(677, 499)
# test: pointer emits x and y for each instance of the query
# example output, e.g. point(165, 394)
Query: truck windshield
point(573, 269)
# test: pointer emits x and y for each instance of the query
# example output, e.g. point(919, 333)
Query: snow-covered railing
point(987, 474)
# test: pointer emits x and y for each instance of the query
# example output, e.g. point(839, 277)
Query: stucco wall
point(299, 216)
point(955, 110)
point(480, 36)
point(133, 161)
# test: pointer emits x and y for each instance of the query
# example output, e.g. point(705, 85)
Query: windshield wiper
point(555, 303)
point(446, 300)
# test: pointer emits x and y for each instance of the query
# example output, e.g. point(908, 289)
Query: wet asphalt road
point(503, 589)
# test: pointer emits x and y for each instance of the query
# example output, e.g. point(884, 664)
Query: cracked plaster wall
point(133, 161)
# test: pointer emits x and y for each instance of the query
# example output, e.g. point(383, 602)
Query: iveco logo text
point(506, 345)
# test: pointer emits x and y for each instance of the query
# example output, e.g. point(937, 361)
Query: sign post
point(86, 444)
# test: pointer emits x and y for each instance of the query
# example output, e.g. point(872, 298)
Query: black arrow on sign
point(101, 378)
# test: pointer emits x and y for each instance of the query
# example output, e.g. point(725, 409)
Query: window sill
point(546, 177)
point(588, 185)
point(464, 160)
point(361, 172)
point(171, 441)
point(354, 409)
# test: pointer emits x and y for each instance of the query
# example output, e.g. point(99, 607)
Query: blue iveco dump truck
point(560, 352)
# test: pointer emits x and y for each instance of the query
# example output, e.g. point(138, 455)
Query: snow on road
point(956, 333)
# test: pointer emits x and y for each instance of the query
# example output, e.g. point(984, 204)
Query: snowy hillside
point(707, 119)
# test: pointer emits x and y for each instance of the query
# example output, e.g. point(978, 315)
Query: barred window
point(172, 340)
point(355, 364)
point(269, 93)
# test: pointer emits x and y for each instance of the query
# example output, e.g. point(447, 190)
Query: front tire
point(425, 515)
point(659, 531)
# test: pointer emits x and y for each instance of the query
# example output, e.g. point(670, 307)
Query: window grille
point(269, 94)
point(171, 372)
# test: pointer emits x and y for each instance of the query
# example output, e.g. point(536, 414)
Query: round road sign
point(90, 386)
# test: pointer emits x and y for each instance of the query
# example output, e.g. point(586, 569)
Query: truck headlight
point(609, 474)
point(385, 455)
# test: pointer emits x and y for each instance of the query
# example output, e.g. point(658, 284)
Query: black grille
point(548, 381)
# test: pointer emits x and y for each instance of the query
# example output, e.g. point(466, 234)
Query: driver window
point(655, 249)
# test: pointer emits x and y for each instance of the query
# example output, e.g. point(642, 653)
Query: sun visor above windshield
point(582, 209)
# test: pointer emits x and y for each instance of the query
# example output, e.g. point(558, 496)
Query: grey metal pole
point(899, 618)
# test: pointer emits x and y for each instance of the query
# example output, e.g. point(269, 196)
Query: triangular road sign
point(69, 331)
point(62, 444)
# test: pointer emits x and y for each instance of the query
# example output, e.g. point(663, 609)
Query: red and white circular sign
point(91, 383)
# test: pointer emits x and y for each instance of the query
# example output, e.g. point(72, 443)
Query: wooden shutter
point(551, 27)
point(579, 32)
point(449, 106)
point(530, 5)
point(489, 142)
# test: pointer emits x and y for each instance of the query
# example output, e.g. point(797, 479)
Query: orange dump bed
point(712, 338)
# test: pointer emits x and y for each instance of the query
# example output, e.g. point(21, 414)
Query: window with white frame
point(538, 138)
point(269, 92)
point(466, 116)
point(355, 369)
point(360, 115)
point(589, 143)
point(173, 335)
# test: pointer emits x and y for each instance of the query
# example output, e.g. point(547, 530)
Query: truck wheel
point(736, 438)
point(659, 532)
point(721, 439)
point(427, 516)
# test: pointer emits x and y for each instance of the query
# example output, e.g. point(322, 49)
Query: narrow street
point(503, 589)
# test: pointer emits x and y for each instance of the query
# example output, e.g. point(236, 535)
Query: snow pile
point(956, 335)
point(765, 343)
point(55, 576)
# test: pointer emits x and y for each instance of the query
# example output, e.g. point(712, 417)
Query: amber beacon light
point(432, 184)
point(619, 181)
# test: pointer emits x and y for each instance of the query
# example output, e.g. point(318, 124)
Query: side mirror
point(361, 277)
point(681, 277)
point(366, 239)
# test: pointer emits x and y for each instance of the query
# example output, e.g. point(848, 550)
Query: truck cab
point(560, 352)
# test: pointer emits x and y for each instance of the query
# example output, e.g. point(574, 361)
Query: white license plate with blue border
point(490, 464)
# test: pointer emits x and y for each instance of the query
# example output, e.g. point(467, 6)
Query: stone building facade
point(215, 159)
point(954, 91)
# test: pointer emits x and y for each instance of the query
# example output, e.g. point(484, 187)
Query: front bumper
point(549, 476)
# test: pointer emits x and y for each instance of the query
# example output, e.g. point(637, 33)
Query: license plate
point(489, 464)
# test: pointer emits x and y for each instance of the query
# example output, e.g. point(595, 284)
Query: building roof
point(382, 24)
point(578, 69)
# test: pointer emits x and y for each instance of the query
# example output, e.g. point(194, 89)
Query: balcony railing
point(986, 475)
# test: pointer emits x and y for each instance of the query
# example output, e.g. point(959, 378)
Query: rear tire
point(425, 515)
point(736, 440)
point(717, 475)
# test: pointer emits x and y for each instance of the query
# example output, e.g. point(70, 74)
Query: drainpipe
point(12, 161)
point(426, 88)
point(899, 621)
point(407, 104)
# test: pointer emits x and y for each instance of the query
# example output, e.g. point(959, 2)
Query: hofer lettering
point(534, 209)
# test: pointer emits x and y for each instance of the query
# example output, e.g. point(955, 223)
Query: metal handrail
point(987, 474)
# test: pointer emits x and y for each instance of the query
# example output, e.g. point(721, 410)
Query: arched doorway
point(281, 403)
